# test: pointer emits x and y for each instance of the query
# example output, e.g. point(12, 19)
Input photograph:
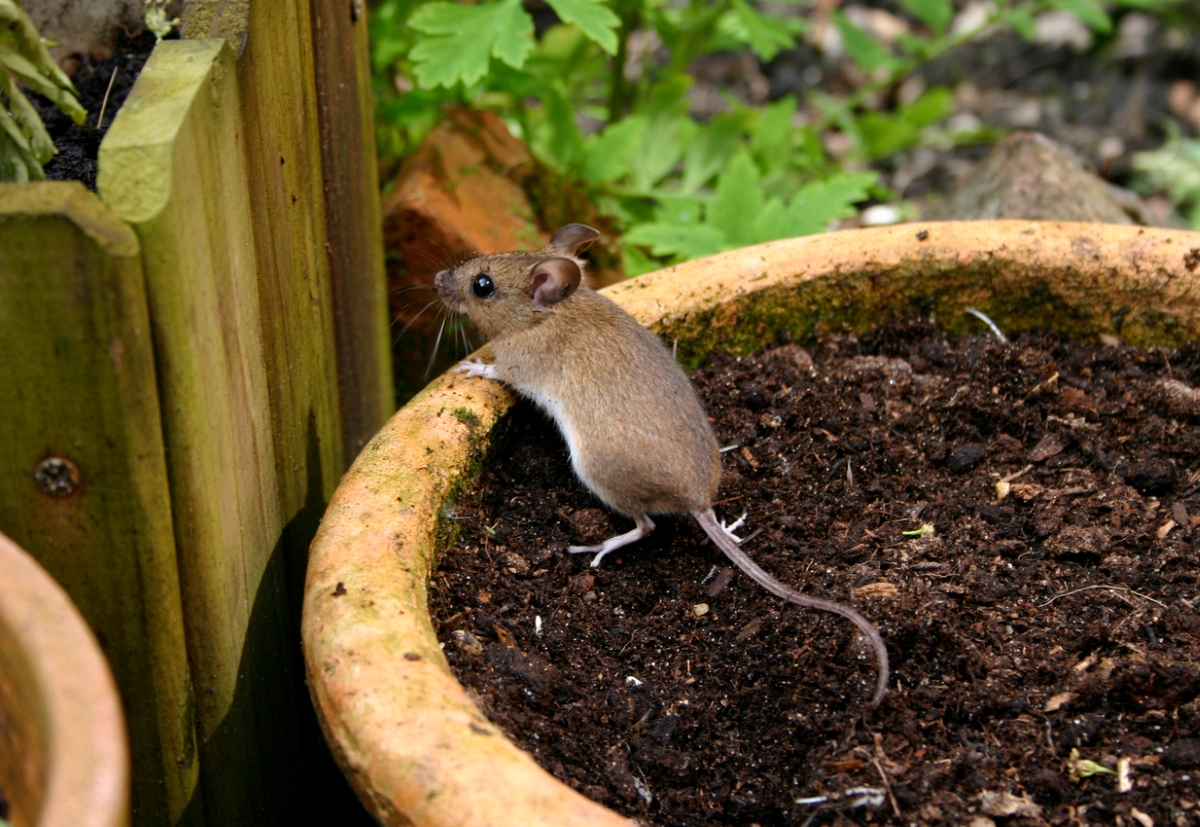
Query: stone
point(1031, 176)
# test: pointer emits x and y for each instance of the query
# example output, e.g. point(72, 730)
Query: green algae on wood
point(1047, 274)
point(181, 129)
point(353, 223)
point(273, 374)
point(83, 473)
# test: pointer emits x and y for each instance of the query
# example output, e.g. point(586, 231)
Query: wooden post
point(245, 220)
point(353, 224)
point(216, 161)
point(172, 166)
point(83, 478)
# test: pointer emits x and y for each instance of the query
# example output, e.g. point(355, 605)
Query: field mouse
point(634, 425)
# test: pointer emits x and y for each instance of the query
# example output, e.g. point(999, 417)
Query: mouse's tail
point(718, 534)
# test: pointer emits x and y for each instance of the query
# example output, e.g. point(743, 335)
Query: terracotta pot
point(406, 734)
point(64, 760)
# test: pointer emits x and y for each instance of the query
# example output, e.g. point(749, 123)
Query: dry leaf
point(503, 635)
point(749, 457)
point(878, 589)
point(1058, 701)
point(1006, 804)
point(1050, 445)
point(1025, 491)
point(847, 765)
point(468, 642)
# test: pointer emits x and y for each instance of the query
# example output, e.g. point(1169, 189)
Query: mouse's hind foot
point(729, 529)
point(644, 526)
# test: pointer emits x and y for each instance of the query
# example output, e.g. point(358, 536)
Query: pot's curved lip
point(54, 664)
point(404, 731)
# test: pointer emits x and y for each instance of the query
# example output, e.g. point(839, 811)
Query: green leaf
point(24, 35)
point(464, 38)
point(914, 45)
point(559, 141)
point(606, 155)
point(865, 50)
point(739, 201)
point(27, 119)
point(684, 241)
point(1022, 22)
point(676, 209)
point(936, 14)
point(773, 222)
point(1089, 12)
point(815, 205)
point(29, 75)
point(636, 262)
point(710, 150)
point(659, 152)
point(662, 143)
point(1156, 6)
point(886, 134)
point(593, 17)
point(931, 107)
point(883, 134)
point(771, 138)
point(766, 36)
point(17, 162)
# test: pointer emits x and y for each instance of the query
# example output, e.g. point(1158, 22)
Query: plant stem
point(620, 98)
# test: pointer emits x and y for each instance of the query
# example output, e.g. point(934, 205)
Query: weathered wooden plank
point(353, 224)
point(83, 478)
point(173, 166)
point(279, 105)
point(283, 160)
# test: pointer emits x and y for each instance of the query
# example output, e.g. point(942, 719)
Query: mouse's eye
point(482, 286)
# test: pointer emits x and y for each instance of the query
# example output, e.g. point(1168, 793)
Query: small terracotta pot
point(406, 734)
point(64, 759)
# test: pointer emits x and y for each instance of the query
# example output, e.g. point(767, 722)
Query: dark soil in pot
point(97, 81)
point(1029, 634)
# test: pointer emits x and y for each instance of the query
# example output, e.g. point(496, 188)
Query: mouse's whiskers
point(412, 321)
point(437, 342)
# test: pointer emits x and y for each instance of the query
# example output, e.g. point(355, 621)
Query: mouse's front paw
point(476, 367)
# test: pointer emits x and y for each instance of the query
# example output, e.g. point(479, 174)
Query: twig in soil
point(750, 536)
point(1105, 588)
point(845, 800)
point(991, 325)
point(107, 92)
point(887, 787)
point(1016, 474)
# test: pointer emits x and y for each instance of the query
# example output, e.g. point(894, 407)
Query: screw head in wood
point(57, 476)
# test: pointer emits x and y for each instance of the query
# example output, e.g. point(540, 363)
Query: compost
point(79, 144)
point(1020, 520)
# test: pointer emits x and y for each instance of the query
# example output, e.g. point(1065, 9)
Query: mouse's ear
point(554, 280)
point(572, 239)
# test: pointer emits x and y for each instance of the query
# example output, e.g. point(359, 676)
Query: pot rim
point(370, 647)
point(55, 658)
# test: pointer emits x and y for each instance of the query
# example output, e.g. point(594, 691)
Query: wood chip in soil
point(1020, 521)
